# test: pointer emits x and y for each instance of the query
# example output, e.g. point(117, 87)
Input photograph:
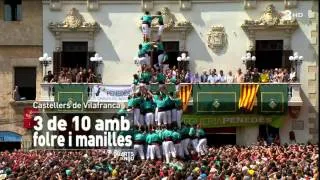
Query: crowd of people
point(73, 75)
point(252, 75)
point(224, 162)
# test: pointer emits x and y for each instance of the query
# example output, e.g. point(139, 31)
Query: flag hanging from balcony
point(215, 98)
point(273, 98)
point(28, 115)
point(248, 94)
point(184, 95)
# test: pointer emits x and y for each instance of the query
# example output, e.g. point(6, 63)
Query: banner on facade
point(209, 121)
point(71, 94)
point(273, 98)
point(109, 93)
point(215, 98)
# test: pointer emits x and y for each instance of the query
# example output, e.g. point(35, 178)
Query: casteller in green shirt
point(176, 136)
point(146, 77)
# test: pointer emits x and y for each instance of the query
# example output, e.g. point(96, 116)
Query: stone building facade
point(20, 48)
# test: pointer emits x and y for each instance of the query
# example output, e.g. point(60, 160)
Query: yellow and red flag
point(248, 93)
point(184, 94)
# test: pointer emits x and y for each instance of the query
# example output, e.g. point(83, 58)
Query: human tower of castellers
point(158, 130)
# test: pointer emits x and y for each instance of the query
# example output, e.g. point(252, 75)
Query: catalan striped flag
point(184, 94)
point(248, 94)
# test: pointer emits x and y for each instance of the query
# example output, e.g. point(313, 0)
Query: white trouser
point(136, 117)
point(134, 88)
point(202, 146)
point(168, 114)
point(173, 115)
point(179, 115)
point(194, 143)
point(143, 60)
point(141, 120)
point(162, 117)
point(138, 149)
point(179, 150)
point(149, 118)
point(156, 115)
point(168, 150)
point(185, 145)
point(152, 151)
point(145, 29)
point(160, 30)
point(160, 59)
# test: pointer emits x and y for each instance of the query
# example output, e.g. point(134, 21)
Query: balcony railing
point(294, 98)
point(47, 90)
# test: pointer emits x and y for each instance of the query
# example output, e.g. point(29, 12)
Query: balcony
point(47, 92)
point(294, 98)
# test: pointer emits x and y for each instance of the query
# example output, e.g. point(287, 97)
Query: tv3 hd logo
point(288, 15)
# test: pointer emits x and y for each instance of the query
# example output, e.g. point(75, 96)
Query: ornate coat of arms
point(73, 19)
point(270, 16)
point(217, 38)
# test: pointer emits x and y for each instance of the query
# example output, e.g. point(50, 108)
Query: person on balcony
point(222, 78)
point(247, 76)
point(146, 26)
point(204, 77)
point(213, 78)
point(292, 76)
point(255, 76)
point(230, 78)
point(16, 94)
point(48, 77)
point(239, 76)
point(264, 77)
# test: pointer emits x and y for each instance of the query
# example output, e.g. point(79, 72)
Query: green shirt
point(122, 112)
point(160, 20)
point(130, 102)
point(161, 103)
point(161, 77)
point(146, 76)
point(160, 46)
point(178, 103)
point(146, 46)
point(176, 136)
point(173, 80)
point(200, 132)
point(184, 131)
point(139, 137)
point(136, 102)
point(167, 134)
point(141, 52)
point(147, 18)
point(136, 81)
point(192, 132)
point(148, 105)
point(152, 138)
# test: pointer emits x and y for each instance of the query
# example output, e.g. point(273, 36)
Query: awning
point(8, 136)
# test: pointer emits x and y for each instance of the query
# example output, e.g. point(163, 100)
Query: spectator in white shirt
point(213, 78)
point(230, 78)
point(292, 76)
point(222, 78)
